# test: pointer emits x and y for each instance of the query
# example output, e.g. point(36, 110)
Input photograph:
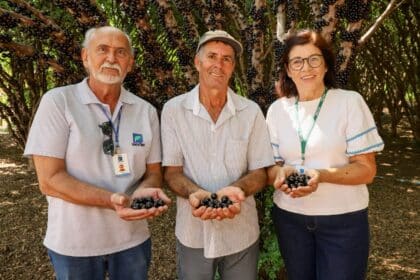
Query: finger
point(199, 211)
point(163, 196)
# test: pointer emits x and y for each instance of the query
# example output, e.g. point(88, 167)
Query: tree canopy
point(40, 44)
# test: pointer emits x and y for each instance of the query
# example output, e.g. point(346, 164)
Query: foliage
point(270, 261)
point(44, 36)
point(40, 49)
point(387, 69)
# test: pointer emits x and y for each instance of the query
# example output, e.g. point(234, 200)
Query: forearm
point(180, 184)
point(252, 182)
point(68, 188)
point(152, 177)
point(354, 173)
point(272, 173)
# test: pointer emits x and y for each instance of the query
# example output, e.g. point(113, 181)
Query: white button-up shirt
point(214, 155)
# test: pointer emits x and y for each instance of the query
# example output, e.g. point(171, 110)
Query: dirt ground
point(394, 219)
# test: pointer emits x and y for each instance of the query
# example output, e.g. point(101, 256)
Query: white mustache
point(112, 66)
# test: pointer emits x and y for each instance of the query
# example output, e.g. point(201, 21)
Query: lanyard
point(304, 141)
point(115, 129)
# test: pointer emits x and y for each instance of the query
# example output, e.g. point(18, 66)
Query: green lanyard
point(304, 141)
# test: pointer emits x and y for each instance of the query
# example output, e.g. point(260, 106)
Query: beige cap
point(220, 35)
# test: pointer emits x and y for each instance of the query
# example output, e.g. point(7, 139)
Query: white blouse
point(344, 128)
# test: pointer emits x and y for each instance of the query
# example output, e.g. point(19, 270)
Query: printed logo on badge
point(137, 139)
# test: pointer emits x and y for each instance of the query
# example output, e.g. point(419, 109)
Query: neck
point(106, 93)
point(311, 94)
point(213, 101)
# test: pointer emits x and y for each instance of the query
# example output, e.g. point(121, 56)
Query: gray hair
point(92, 31)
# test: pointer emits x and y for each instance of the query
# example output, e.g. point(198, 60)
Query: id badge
point(120, 162)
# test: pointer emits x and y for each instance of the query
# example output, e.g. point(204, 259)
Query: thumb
point(279, 180)
point(119, 199)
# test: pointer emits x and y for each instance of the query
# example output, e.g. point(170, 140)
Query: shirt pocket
point(236, 159)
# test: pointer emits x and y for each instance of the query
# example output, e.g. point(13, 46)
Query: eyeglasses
point(297, 63)
point(108, 144)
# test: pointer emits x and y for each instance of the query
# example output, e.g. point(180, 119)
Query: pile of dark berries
point(213, 202)
point(297, 180)
point(146, 203)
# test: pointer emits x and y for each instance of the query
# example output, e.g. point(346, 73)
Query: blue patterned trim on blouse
point(361, 134)
point(274, 144)
point(366, 149)
point(278, 158)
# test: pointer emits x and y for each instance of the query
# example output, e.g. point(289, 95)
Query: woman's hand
point(310, 188)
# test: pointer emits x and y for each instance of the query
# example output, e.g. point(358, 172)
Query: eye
point(122, 52)
point(211, 56)
point(314, 58)
point(228, 59)
point(101, 49)
point(296, 61)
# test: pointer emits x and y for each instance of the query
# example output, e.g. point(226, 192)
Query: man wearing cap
point(215, 141)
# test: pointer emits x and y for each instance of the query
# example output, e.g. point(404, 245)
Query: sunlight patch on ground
point(391, 264)
point(8, 165)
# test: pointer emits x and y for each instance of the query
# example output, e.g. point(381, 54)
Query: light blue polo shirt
point(66, 126)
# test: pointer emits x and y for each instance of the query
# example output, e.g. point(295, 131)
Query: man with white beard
point(96, 147)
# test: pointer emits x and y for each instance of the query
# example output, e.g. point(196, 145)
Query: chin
point(109, 80)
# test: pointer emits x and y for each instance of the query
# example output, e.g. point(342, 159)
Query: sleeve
point(155, 151)
point(172, 152)
point(271, 119)
point(49, 132)
point(259, 151)
point(361, 133)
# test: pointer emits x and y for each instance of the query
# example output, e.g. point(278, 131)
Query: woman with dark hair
point(327, 135)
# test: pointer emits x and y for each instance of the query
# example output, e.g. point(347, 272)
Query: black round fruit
point(213, 202)
point(146, 203)
point(297, 180)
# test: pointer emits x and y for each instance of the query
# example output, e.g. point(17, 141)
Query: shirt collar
point(88, 97)
point(234, 102)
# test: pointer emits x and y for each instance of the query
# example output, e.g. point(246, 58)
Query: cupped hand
point(310, 188)
point(122, 202)
point(282, 173)
point(235, 194)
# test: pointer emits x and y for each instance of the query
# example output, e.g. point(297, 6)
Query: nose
point(306, 65)
point(110, 57)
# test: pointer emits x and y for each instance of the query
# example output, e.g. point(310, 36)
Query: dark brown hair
point(303, 37)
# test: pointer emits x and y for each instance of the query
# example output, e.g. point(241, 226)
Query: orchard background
point(377, 50)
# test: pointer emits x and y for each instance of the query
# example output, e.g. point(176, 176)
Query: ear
point(84, 56)
point(197, 62)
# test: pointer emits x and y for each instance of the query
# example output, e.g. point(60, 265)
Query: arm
point(55, 181)
point(184, 187)
point(180, 184)
point(252, 182)
point(360, 170)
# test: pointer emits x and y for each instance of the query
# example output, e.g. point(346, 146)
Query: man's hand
point(235, 194)
point(122, 204)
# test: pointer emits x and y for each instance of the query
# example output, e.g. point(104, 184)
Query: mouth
point(307, 77)
point(218, 75)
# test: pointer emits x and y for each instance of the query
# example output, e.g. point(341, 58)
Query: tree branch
point(393, 5)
